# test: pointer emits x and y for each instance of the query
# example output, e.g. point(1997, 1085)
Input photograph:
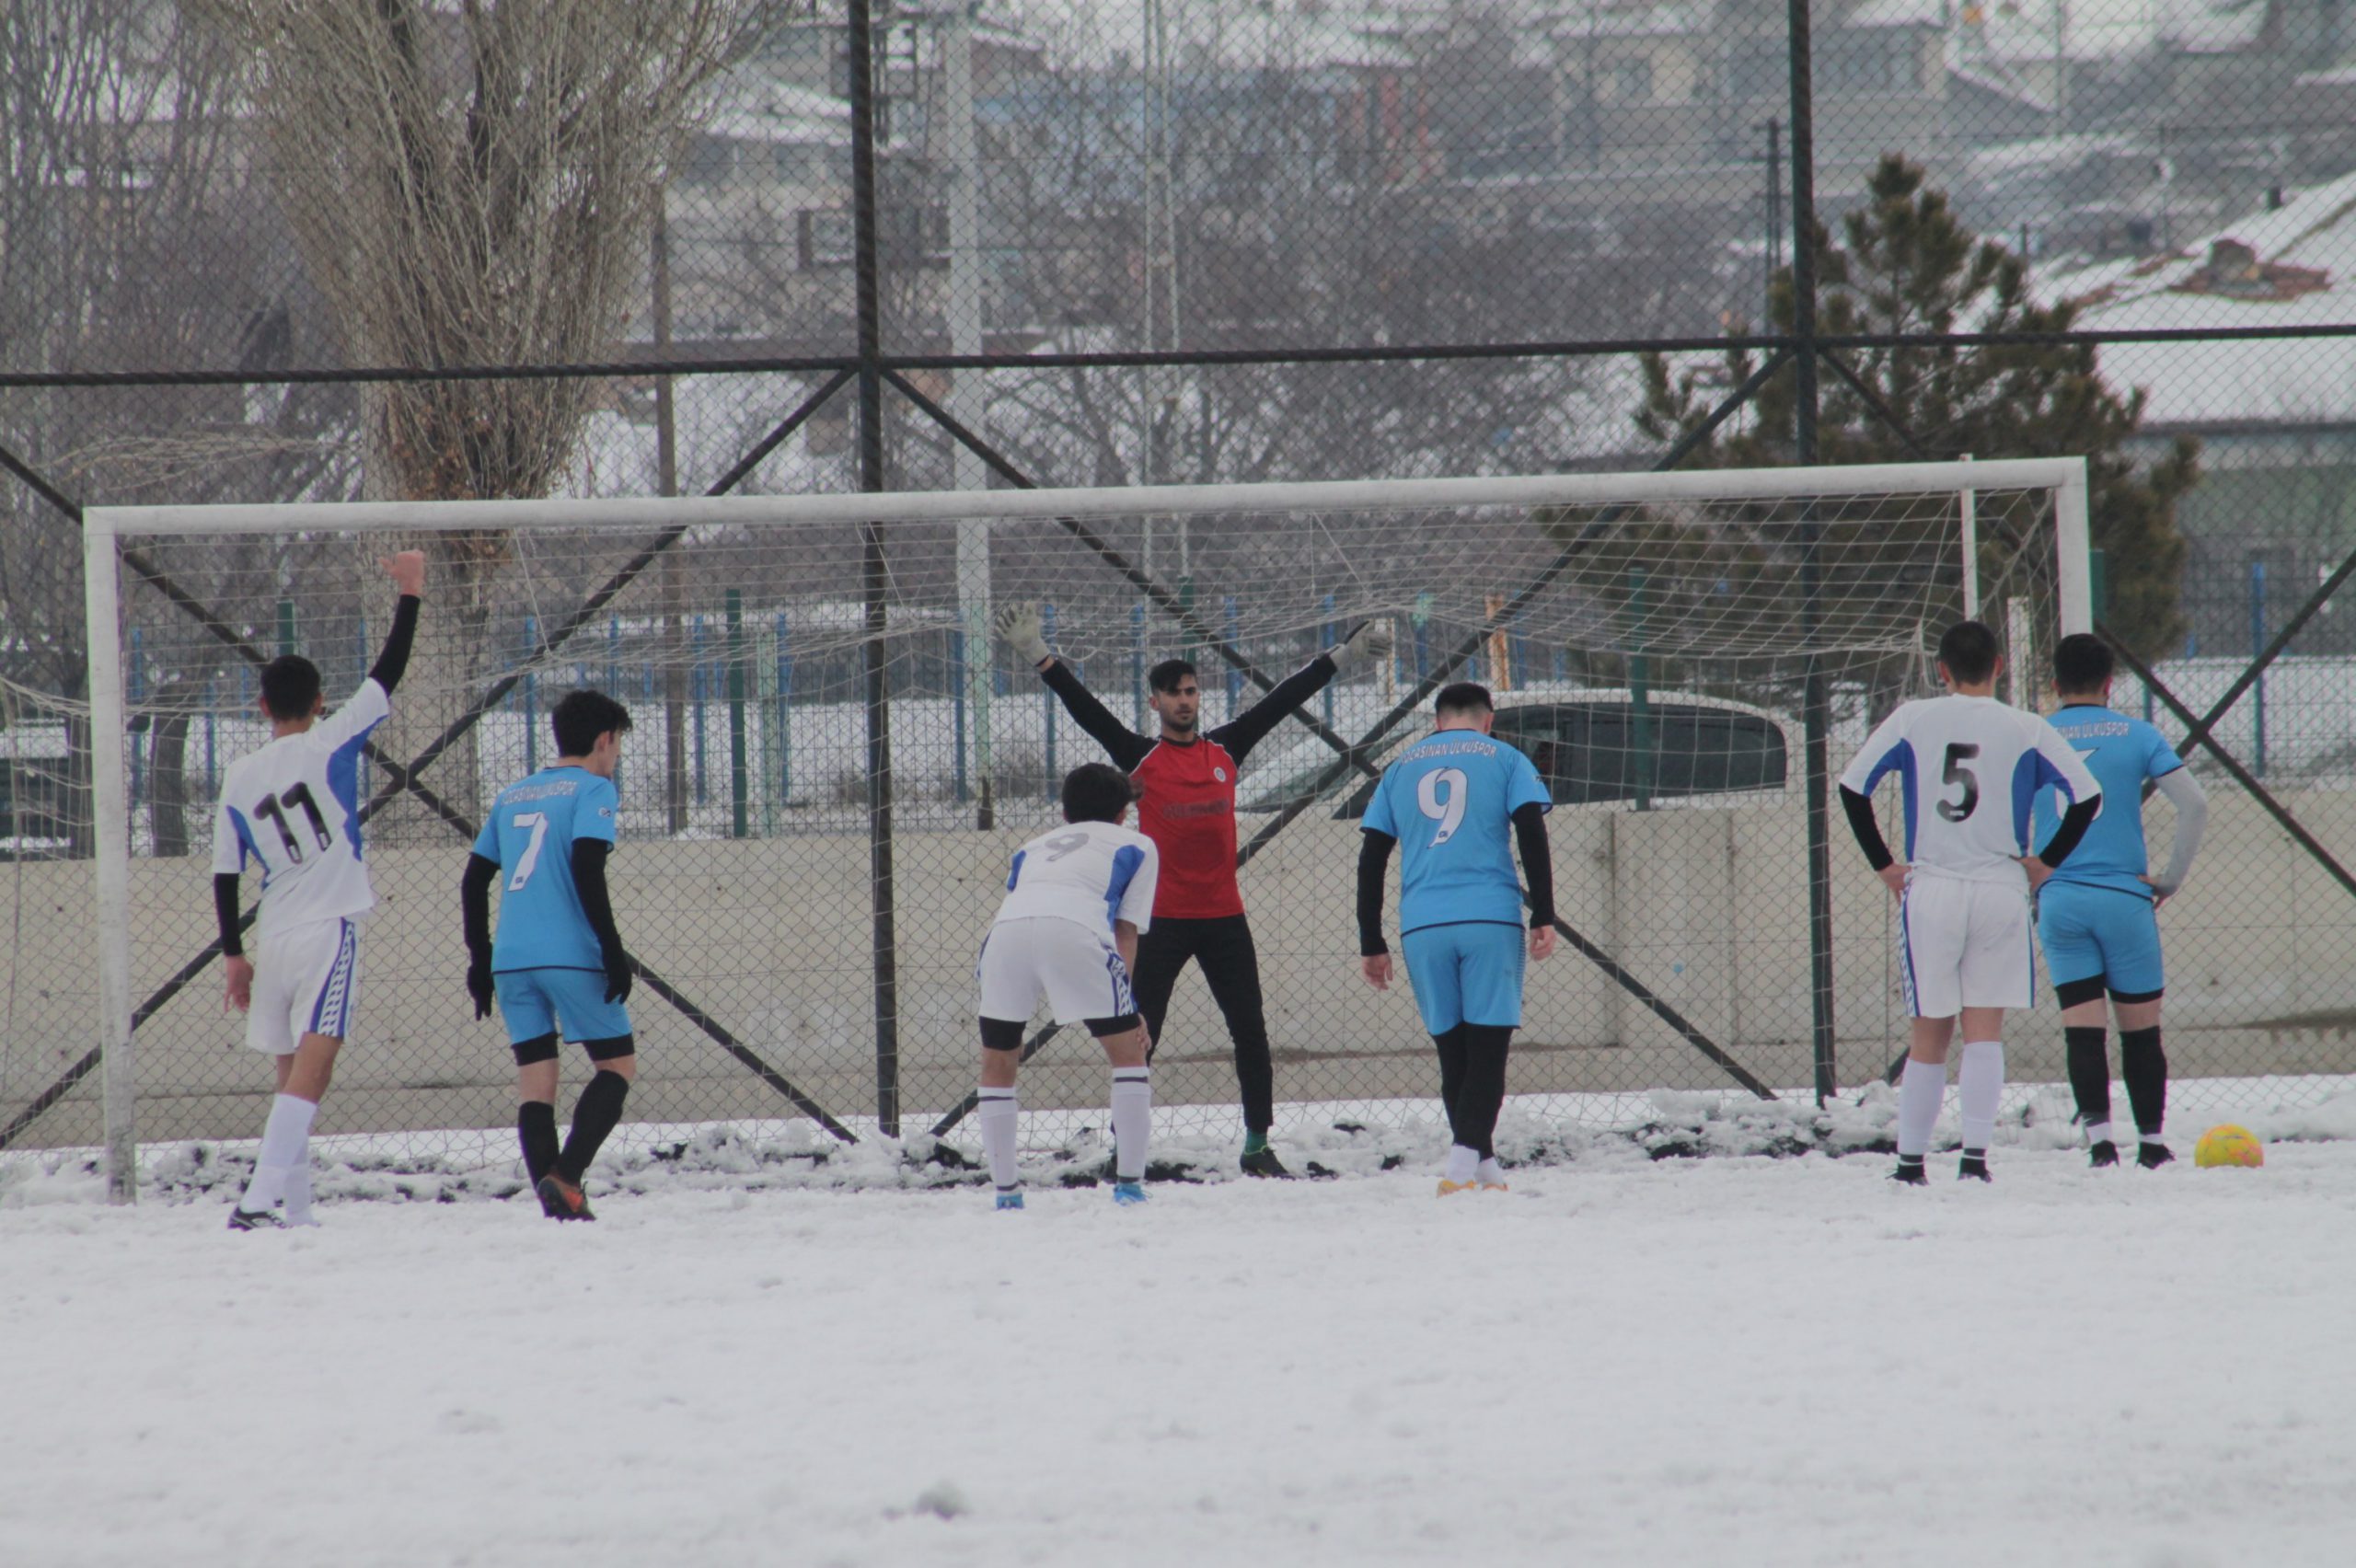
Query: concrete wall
point(1707, 907)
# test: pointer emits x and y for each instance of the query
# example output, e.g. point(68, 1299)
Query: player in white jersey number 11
point(294, 807)
point(1970, 768)
point(1076, 899)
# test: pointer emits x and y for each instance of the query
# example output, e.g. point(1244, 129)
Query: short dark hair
point(290, 686)
point(580, 716)
point(2082, 662)
point(1166, 675)
point(1465, 697)
point(1969, 650)
point(1096, 792)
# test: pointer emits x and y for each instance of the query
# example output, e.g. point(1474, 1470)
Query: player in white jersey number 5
point(294, 807)
point(1970, 768)
point(1076, 899)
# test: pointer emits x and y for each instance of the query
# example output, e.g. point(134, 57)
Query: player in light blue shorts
point(2098, 914)
point(557, 966)
point(1450, 805)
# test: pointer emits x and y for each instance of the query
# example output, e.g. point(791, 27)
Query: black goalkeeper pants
point(1222, 945)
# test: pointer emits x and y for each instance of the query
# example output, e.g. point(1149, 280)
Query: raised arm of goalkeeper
point(1022, 627)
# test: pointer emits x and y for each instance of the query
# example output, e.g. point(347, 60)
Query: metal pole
point(965, 337)
point(739, 821)
point(1640, 695)
point(1815, 705)
point(102, 608)
point(666, 478)
point(875, 585)
point(530, 687)
point(2257, 642)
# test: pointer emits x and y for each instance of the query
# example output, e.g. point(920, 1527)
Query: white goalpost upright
point(1573, 593)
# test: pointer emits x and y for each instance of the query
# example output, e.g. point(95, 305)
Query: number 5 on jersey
point(1448, 810)
point(1956, 773)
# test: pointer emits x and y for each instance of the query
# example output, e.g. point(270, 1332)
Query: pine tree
point(1910, 266)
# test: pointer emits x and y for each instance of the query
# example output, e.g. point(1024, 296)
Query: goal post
point(1644, 632)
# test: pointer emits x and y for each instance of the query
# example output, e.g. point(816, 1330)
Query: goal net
point(831, 762)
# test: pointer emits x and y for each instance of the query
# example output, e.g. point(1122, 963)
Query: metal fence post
point(739, 817)
point(2257, 646)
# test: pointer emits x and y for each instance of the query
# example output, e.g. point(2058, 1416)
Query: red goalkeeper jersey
point(1186, 790)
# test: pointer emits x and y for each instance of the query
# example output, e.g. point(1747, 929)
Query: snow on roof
point(2293, 267)
point(1900, 14)
point(1269, 33)
point(2016, 30)
point(754, 107)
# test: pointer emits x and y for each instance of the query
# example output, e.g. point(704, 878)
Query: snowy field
point(1726, 1360)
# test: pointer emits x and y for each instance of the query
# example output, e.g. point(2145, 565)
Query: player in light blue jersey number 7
point(557, 965)
point(2097, 916)
point(1455, 805)
point(1970, 768)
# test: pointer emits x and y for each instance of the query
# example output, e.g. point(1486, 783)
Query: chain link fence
point(1167, 241)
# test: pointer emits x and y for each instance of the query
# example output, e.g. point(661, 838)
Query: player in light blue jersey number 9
point(1455, 805)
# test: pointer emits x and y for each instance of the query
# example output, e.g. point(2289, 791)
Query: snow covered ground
point(1734, 1359)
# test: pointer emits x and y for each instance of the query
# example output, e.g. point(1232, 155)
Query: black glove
point(479, 983)
point(618, 974)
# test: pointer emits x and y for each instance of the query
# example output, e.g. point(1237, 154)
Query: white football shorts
point(1078, 969)
point(304, 984)
point(1965, 944)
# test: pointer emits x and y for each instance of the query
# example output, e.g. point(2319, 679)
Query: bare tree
point(128, 239)
point(474, 185)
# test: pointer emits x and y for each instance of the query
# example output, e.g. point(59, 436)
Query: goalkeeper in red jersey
point(1185, 782)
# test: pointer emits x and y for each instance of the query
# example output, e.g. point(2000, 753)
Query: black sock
point(1451, 1074)
point(1484, 1093)
point(2090, 1072)
point(2145, 1067)
point(592, 1118)
point(536, 1128)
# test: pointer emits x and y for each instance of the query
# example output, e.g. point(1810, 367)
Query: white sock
point(996, 1114)
point(1491, 1171)
point(285, 1147)
point(1462, 1163)
point(1979, 1086)
point(1920, 1090)
point(2099, 1132)
point(1132, 1121)
point(298, 1196)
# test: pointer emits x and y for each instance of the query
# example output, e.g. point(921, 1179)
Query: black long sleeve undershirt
point(1866, 831)
point(1537, 861)
point(1238, 735)
point(394, 661)
point(1248, 728)
point(225, 911)
point(589, 882)
point(473, 903)
point(1122, 744)
point(2075, 823)
point(1374, 865)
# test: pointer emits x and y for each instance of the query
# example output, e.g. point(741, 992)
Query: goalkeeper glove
point(1019, 625)
point(1370, 642)
point(618, 974)
point(478, 983)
